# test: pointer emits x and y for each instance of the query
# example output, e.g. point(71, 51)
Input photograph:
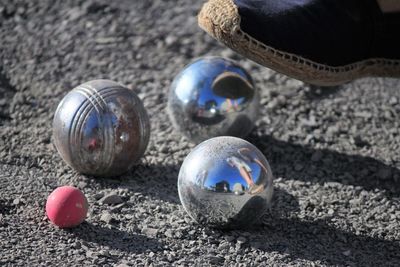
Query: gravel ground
point(334, 151)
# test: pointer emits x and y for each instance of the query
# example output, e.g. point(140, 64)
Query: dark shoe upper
point(330, 32)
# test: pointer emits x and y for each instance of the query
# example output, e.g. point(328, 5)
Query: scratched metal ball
point(225, 182)
point(101, 128)
point(213, 97)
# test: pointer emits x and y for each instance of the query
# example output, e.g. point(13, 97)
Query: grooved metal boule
point(213, 97)
point(101, 128)
point(225, 182)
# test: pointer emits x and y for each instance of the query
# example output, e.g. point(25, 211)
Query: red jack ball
point(66, 207)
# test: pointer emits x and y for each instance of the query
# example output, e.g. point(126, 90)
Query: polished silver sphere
point(225, 182)
point(101, 128)
point(212, 97)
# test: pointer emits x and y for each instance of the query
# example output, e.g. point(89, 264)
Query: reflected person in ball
point(225, 182)
point(213, 97)
point(101, 128)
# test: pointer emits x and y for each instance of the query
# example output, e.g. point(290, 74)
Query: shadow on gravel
point(6, 207)
point(7, 91)
point(283, 203)
point(321, 166)
point(315, 92)
point(115, 239)
point(318, 241)
point(159, 181)
point(155, 181)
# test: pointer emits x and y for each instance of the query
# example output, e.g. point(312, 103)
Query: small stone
point(170, 40)
point(298, 167)
point(82, 185)
point(90, 254)
point(75, 13)
point(215, 260)
point(227, 53)
point(106, 40)
point(229, 238)
point(310, 122)
point(169, 233)
point(192, 232)
point(164, 149)
point(272, 104)
point(16, 201)
point(309, 138)
point(188, 220)
point(107, 218)
point(332, 130)
point(241, 240)
point(355, 202)
point(152, 232)
point(393, 100)
point(77, 245)
point(117, 208)
point(363, 114)
point(104, 253)
point(346, 253)
point(111, 199)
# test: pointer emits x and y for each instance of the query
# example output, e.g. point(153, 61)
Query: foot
point(255, 189)
point(322, 42)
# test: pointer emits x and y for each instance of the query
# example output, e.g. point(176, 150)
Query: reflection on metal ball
point(101, 128)
point(225, 182)
point(212, 97)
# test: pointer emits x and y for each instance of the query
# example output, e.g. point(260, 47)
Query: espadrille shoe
point(321, 42)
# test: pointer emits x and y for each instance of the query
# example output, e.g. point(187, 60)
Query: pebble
point(215, 260)
point(298, 167)
point(152, 232)
point(241, 240)
point(169, 233)
point(104, 253)
point(107, 218)
point(111, 199)
point(346, 253)
point(229, 238)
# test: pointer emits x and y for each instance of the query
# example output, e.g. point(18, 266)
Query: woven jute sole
point(221, 19)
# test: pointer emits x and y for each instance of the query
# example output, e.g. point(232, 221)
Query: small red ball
point(66, 207)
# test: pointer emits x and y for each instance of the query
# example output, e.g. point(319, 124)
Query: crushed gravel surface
point(335, 152)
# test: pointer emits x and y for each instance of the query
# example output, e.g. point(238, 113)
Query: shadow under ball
point(225, 182)
point(213, 97)
point(101, 128)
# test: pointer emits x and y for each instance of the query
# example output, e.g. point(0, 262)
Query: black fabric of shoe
point(387, 36)
point(330, 32)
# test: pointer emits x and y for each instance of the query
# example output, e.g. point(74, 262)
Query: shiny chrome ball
point(212, 97)
point(101, 128)
point(225, 182)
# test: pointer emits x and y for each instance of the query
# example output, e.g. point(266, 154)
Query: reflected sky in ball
point(201, 74)
point(225, 172)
